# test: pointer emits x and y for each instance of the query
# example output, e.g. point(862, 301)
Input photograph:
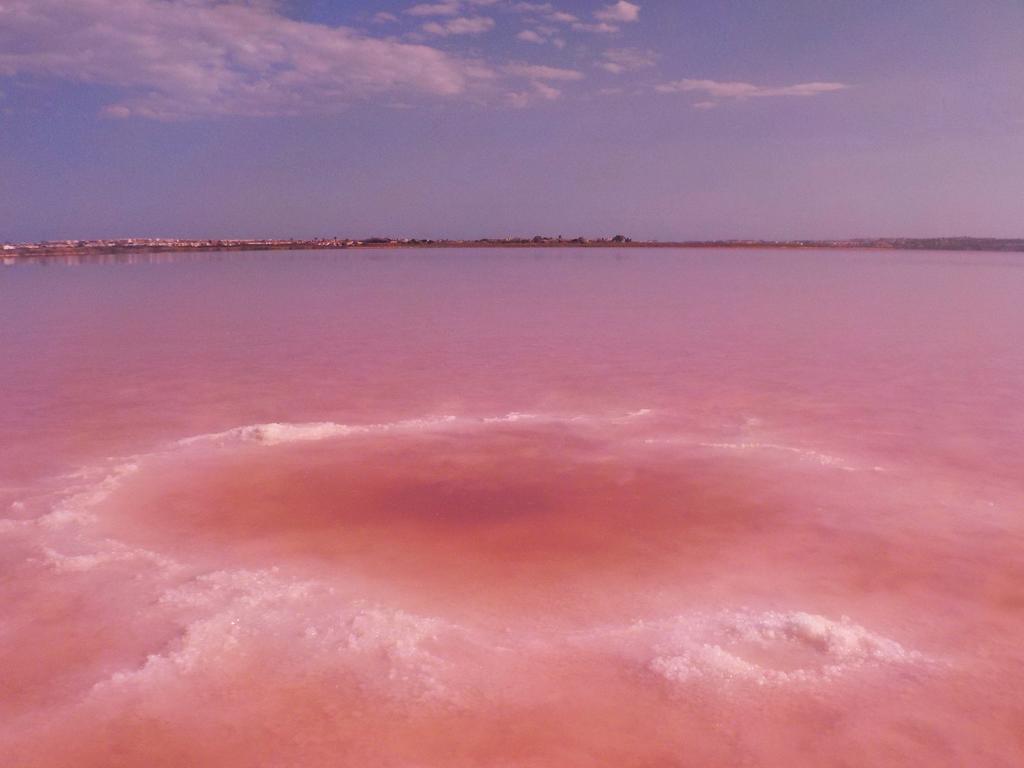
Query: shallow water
point(513, 508)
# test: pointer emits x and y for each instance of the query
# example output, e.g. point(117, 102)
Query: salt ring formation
point(637, 534)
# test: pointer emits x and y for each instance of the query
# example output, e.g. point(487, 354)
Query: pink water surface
point(513, 508)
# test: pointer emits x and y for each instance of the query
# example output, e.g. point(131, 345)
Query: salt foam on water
point(772, 647)
point(242, 619)
point(277, 433)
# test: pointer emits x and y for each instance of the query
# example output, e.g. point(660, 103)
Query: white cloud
point(717, 91)
point(601, 28)
point(532, 7)
point(538, 91)
point(446, 7)
point(620, 11)
point(529, 36)
point(619, 60)
point(546, 91)
point(443, 8)
point(518, 99)
point(542, 34)
point(463, 25)
point(180, 59)
point(185, 59)
point(542, 72)
point(546, 10)
point(540, 78)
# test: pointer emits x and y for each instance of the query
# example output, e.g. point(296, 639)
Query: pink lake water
point(513, 508)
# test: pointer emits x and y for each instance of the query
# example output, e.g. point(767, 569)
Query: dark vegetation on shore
point(170, 245)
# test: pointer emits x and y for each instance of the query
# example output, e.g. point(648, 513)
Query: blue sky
point(465, 118)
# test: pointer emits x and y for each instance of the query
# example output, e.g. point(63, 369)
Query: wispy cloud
point(716, 91)
point(543, 72)
point(546, 91)
point(532, 7)
point(600, 28)
point(609, 18)
point(531, 36)
point(447, 7)
point(540, 79)
point(462, 25)
point(619, 60)
point(621, 11)
point(544, 10)
point(537, 91)
point(542, 34)
point(176, 58)
point(443, 8)
point(179, 59)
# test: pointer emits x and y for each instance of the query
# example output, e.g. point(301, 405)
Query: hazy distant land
point(150, 245)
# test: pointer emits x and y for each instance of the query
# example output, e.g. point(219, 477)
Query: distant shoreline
point(153, 245)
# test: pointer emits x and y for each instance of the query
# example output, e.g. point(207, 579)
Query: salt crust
point(235, 619)
point(234, 616)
